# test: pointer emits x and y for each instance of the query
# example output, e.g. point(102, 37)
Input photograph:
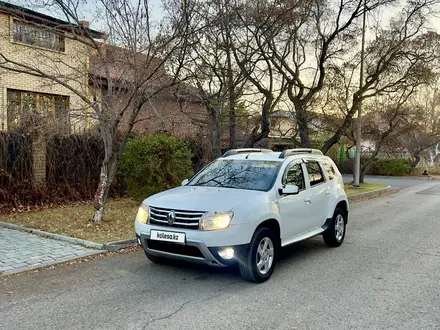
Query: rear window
point(329, 168)
point(315, 173)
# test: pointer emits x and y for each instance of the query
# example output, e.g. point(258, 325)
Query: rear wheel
point(260, 259)
point(335, 233)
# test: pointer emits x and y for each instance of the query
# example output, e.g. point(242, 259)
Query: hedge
point(381, 166)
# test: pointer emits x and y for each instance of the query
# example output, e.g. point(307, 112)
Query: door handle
point(308, 200)
point(327, 193)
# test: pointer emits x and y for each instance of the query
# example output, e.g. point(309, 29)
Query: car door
point(294, 209)
point(319, 193)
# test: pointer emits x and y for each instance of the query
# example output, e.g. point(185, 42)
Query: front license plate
point(167, 236)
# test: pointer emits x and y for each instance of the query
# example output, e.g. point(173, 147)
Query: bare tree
point(254, 57)
point(220, 82)
point(300, 39)
point(426, 132)
point(127, 69)
point(385, 121)
point(399, 58)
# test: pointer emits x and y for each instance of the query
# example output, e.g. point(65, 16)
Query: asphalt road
point(385, 276)
point(394, 182)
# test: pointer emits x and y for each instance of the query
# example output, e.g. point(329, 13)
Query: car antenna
point(247, 156)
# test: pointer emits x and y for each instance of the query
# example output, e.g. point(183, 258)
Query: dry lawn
point(74, 221)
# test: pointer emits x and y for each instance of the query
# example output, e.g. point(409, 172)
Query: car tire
point(260, 258)
point(335, 233)
point(155, 259)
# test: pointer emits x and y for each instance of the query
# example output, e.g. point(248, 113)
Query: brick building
point(31, 42)
point(30, 38)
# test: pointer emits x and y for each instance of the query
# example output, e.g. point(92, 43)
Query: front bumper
point(194, 251)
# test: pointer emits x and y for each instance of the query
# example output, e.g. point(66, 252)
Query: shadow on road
point(180, 270)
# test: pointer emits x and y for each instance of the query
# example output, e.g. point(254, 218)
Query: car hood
point(192, 198)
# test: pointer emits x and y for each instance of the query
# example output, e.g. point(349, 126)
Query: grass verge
point(365, 187)
point(74, 221)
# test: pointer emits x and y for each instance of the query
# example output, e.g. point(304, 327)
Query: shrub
point(155, 163)
point(380, 166)
point(391, 167)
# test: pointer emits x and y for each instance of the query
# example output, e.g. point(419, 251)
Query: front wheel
point(335, 233)
point(260, 259)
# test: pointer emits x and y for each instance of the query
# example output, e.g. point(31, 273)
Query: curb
point(117, 245)
point(420, 177)
point(374, 193)
point(58, 237)
point(112, 246)
point(48, 264)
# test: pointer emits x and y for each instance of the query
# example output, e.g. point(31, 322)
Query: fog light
point(227, 253)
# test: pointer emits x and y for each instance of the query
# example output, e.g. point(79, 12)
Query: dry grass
point(365, 187)
point(74, 221)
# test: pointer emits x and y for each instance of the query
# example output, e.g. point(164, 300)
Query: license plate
point(167, 236)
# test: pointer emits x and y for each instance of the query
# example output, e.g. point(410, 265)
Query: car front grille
point(183, 219)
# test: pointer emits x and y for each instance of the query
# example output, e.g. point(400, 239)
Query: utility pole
point(357, 169)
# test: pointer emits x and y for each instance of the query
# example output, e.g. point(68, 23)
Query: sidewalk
point(21, 251)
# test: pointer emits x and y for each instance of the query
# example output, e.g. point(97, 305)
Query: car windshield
point(238, 174)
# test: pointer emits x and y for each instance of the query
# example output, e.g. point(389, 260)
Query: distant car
point(243, 207)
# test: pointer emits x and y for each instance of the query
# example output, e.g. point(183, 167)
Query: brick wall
point(69, 65)
point(162, 114)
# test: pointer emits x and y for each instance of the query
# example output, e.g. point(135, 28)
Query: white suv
point(243, 207)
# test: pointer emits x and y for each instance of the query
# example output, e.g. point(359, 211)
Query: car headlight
point(216, 220)
point(143, 214)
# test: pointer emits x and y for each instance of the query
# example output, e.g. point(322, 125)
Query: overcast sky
point(88, 12)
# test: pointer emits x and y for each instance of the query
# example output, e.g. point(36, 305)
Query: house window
point(37, 36)
point(23, 105)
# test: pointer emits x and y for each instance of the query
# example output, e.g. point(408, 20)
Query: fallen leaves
point(73, 220)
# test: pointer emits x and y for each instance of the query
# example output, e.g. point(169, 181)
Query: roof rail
point(243, 150)
point(290, 152)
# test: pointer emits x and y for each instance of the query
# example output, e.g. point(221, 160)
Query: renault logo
point(171, 217)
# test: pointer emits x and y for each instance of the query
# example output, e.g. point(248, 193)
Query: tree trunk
point(415, 161)
point(343, 128)
point(365, 169)
point(216, 141)
point(303, 125)
point(264, 123)
point(232, 95)
point(108, 169)
point(232, 123)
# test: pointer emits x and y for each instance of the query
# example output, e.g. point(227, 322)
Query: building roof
point(124, 68)
point(31, 15)
point(283, 114)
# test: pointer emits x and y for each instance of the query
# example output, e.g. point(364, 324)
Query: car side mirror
point(289, 189)
point(185, 182)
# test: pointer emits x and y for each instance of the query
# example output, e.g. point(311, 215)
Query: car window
point(238, 174)
point(315, 173)
point(294, 176)
point(331, 172)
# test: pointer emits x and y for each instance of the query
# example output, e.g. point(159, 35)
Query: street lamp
point(357, 169)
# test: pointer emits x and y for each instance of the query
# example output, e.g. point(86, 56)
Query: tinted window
point(315, 173)
point(329, 169)
point(239, 174)
point(294, 176)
